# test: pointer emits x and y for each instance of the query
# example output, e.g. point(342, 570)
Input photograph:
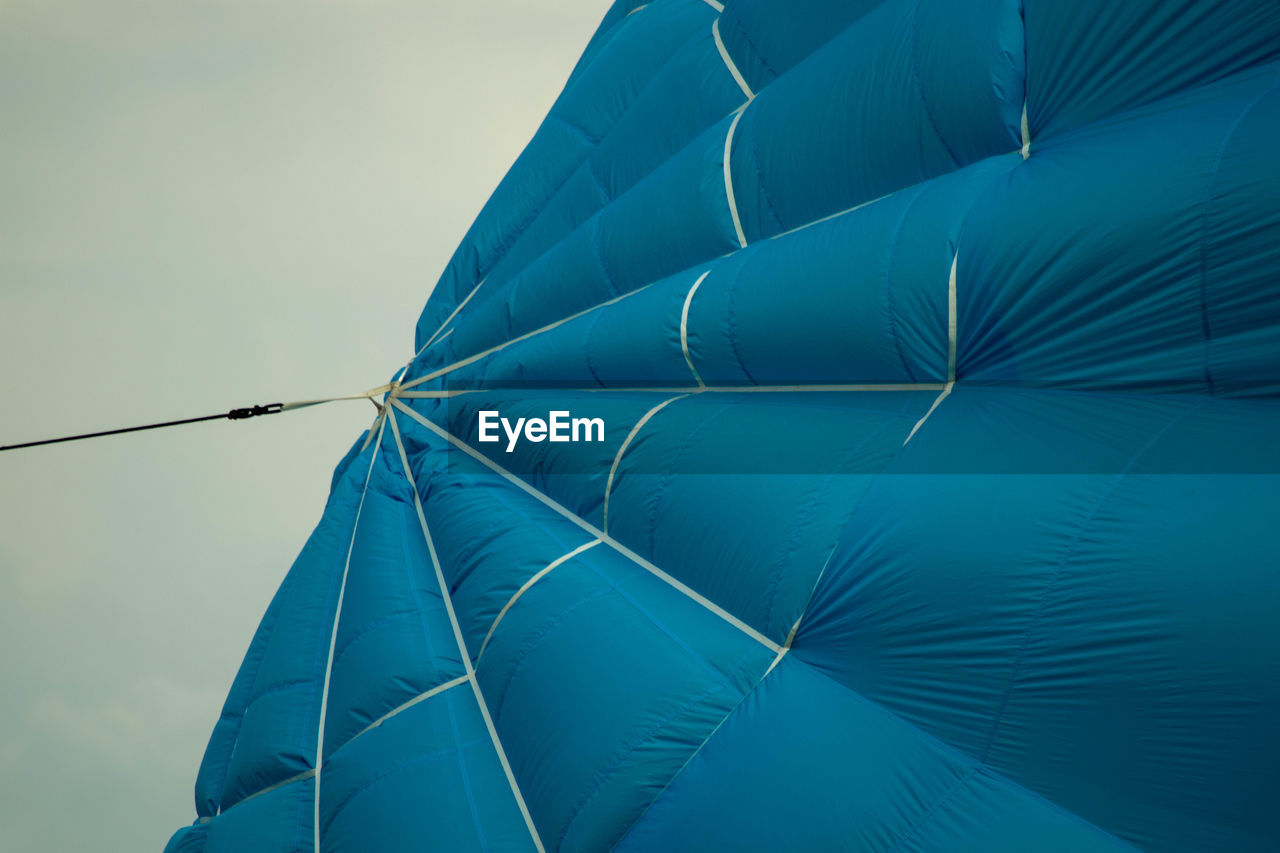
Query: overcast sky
point(207, 204)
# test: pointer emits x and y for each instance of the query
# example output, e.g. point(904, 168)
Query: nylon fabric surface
point(932, 506)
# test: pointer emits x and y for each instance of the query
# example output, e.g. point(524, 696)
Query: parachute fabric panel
point(935, 349)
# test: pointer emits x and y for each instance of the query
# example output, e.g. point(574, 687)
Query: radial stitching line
point(738, 229)
point(694, 389)
point(728, 61)
point(795, 626)
point(526, 586)
point(449, 319)
point(622, 448)
point(1026, 133)
point(471, 359)
point(684, 327)
point(728, 175)
point(457, 634)
point(951, 320)
point(697, 750)
point(370, 434)
point(718, 7)
point(947, 748)
point(333, 638)
point(401, 708)
point(297, 777)
point(680, 586)
point(733, 209)
point(951, 348)
point(945, 392)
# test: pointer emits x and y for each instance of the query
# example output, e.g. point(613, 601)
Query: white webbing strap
point(297, 777)
point(333, 639)
point(728, 175)
point(596, 532)
point(795, 626)
point(951, 348)
point(449, 319)
point(946, 390)
point(1026, 133)
point(830, 216)
point(684, 328)
point(696, 389)
point(440, 395)
point(739, 233)
point(457, 632)
point(364, 395)
point(471, 359)
point(400, 709)
point(728, 61)
point(622, 448)
point(777, 659)
point(552, 566)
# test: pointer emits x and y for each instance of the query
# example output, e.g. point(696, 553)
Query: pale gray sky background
point(207, 204)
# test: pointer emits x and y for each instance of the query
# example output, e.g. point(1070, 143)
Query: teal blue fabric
point(935, 503)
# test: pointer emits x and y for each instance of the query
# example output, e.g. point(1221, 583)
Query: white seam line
point(680, 586)
point(440, 395)
point(835, 215)
point(795, 626)
point(719, 7)
point(697, 750)
point(554, 564)
point(1026, 133)
point(400, 709)
point(742, 239)
point(693, 389)
point(333, 638)
point(951, 348)
point(376, 425)
point(728, 175)
point(728, 61)
point(777, 659)
point(945, 391)
point(951, 320)
point(449, 319)
point(684, 328)
point(471, 359)
point(622, 448)
point(297, 777)
point(637, 9)
point(462, 643)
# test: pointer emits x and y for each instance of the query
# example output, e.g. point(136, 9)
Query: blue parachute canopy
point(850, 425)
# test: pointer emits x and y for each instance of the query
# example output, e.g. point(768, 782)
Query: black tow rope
point(233, 415)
